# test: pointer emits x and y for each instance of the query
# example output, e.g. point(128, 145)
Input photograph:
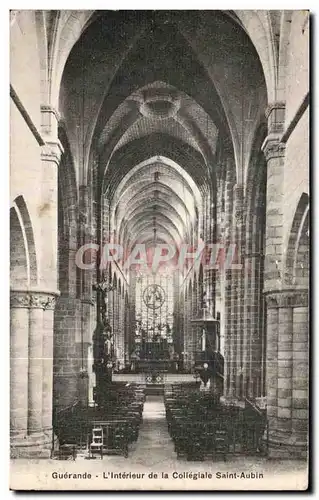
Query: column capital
point(42, 301)
point(287, 298)
point(19, 299)
point(273, 148)
point(33, 299)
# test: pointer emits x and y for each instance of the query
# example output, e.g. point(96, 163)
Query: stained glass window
point(154, 307)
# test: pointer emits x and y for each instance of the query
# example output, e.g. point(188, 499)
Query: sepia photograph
point(159, 250)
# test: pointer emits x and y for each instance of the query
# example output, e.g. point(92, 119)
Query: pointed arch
point(296, 272)
point(23, 257)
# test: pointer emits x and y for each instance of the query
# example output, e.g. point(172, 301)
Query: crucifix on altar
point(103, 349)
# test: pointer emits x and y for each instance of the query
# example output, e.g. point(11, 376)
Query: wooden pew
point(121, 416)
point(200, 428)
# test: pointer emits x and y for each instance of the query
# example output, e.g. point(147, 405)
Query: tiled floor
point(153, 461)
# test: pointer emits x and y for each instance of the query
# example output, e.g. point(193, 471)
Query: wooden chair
point(97, 441)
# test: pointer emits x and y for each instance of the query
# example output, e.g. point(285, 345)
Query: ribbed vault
point(156, 195)
point(153, 105)
point(157, 76)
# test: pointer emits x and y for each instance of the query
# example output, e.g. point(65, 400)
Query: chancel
point(159, 234)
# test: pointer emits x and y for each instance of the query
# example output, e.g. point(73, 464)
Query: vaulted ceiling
point(154, 95)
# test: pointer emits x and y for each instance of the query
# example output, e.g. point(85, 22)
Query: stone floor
point(153, 463)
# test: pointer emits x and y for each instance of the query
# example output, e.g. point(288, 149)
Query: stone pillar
point(50, 156)
point(271, 361)
point(88, 321)
point(116, 309)
point(238, 289)
point(235, 289)
point(300, 373)
point(35, 364)
point(187, 329)
point(287, 373)
point(226, 239)
point(131, 317)
point(67, 338)
point(284, 381)
point(19, 328)
point(31, 373)
point(195, 329)
point(47, 368)
point(274, 152)
point(190, 353)
point(278, 361)
point(121, 330)
point(111, 312)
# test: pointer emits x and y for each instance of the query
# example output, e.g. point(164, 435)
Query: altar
point(154, 365)
point(155, 356)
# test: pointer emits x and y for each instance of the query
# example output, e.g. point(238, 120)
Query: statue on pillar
point(103, 349)
point(108, 349)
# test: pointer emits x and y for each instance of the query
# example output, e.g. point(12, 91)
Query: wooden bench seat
point(120, 418)
point(201, 429)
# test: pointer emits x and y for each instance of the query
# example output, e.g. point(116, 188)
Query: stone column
point(271, 361)
point(116, 302)
point(50, 156)
point(121, 331)
point(287, 373)
point(274, 152)
point(47, 367)
point(190, 353)
point(300, 373)
point(132, 311)
point(87, 377)
point(284, 381)
point(238, 289)
point(19, 333)
point(235, 288)
point(187, 330)
point(226, 239)
point(111, 312)
point(195, 329)
point(31, 372)
point(35, 379)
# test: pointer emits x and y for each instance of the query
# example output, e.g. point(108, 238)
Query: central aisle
point(154, 444)
point(153, 453)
